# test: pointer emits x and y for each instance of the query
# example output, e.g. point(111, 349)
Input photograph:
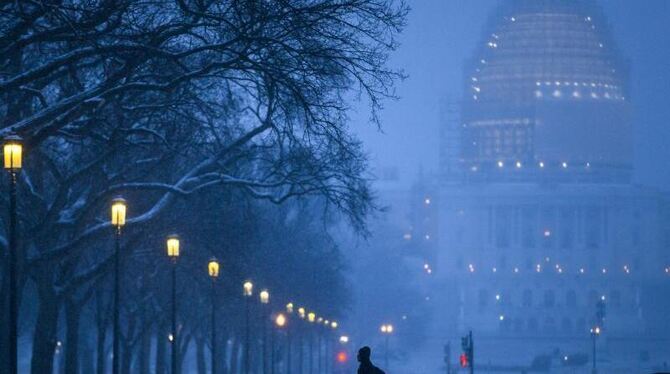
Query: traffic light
point(342, 357)
point(466, 359)
point(463, 360)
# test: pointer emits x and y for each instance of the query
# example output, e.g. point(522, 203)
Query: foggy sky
point(442, 34)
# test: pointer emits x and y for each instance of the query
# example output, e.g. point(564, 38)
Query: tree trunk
point(160, 348)
point(234, 357)
point(200, 356)
point(72, 311)
point(145, 350)
point(44, 337)
point(101, 356)
point(127, 357)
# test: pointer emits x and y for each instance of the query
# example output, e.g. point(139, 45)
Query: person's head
point(364, 354)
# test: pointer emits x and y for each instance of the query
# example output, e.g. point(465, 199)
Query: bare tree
point(161, 101)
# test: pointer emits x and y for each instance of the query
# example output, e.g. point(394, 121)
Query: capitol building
point(535, 217)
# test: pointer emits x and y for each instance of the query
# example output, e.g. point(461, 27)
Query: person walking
point(366, 366)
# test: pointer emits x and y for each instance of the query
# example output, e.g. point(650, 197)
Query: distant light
point(581, 270)
point(516, 270)
point(518, 164)
point(472, 268)
point(342, 357)
point(429, 271)
point(170, 337)
point(501, 164)
point(427, 237)
point(564, 164)
point(426, 266)
point(404, 317)
point(546, 259)
point(407, 236)
point(427, 201)
point(502, 318)
point(344, 339)
point(538, 268)
point(494, 269)
point(602, 297)
point(557, 93)
point(560, 271)
point(541, 164)
point(547, 233)
point(498, 297)
point(513, 19)
point(604, 271)
point(474, 168)
point(565, 358)
point(588, 164)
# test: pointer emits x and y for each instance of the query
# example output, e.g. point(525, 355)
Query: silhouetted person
point(366, 366)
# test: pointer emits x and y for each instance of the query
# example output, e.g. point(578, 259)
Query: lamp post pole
point(247, 291)
point(13, 297)
point(174, 316)
point(118, 220)
point(264, 297)
point(594, 336)
point(387, 330)
point(12, 150)
point(213, 270)
point(116, 349)
point(173, 254)
point(213, 328)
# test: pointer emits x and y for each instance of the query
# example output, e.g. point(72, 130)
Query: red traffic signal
point(342, 357)
point(464, 360)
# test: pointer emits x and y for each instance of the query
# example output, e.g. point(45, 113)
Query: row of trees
point(224, 121)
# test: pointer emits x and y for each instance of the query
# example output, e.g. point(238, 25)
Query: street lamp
point(173, 253)
point(118, 221)
point(595, 332)
point(248, 292)
point(289, 310)
point(13, 152)
point(280, 322)
point(213, 270)
point(387, 330)
point(311, 318)
point(302, 315)
point(264, 297)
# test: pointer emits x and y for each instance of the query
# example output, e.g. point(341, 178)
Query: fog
point(266, 187)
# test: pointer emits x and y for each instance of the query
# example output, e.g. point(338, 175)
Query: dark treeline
point(222, 121)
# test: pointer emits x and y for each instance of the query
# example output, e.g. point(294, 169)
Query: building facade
point(538, 217)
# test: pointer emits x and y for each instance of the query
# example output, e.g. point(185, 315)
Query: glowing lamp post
point(311, 318)
point(118, 220)
point(172, 244)
point(387, 330)
point(213, 270)
point(290, 308)
point(280, 322)
point(13, 153)
point(248, 292)
point(264, 298)
point(595, 332)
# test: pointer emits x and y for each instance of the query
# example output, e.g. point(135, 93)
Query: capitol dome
point(547, 87)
